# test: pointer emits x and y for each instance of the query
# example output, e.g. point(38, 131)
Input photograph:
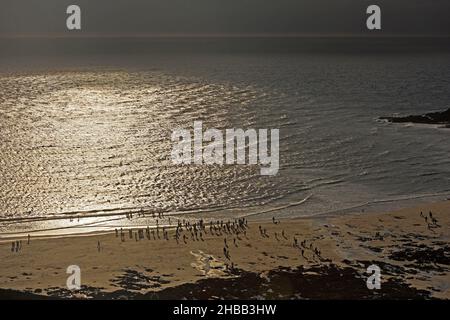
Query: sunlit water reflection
point(81, 149)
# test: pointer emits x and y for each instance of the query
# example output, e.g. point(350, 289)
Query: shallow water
point(91, 139)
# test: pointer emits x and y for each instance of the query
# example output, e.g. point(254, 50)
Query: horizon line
point(79, 34)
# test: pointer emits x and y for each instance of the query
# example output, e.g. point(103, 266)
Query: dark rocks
point(318, 282)
point(442, 118)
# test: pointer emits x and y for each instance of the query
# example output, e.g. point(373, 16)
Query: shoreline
point(405, 201)
point(414, 258)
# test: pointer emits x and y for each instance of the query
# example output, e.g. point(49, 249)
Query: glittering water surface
point(91, 145)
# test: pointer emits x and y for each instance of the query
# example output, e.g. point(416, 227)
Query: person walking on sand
point(434, 220)
point(29, 238)
point(98, 246)
point(226, 253)
point(13, 246)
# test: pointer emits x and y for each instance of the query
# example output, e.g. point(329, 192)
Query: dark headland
point(440, 118)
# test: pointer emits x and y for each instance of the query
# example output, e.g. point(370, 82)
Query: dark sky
point(134, 17)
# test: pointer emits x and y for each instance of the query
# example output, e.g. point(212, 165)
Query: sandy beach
point(324, 257)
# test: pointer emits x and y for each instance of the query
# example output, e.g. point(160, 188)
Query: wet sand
point(329, 261)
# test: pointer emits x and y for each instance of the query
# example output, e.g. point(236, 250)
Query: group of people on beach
point(187, 230)
point(141, 234)
point(142, 214)
point(296, 244)
point(430, 220)
point(195, 230)
point(16, 245)
point(303, 246)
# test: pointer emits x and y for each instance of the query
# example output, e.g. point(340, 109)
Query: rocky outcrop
point(428, 118)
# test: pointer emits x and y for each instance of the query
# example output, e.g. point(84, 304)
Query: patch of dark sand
point(423, 257)
point(386, 268)
point(374, 249)
point(362, 238)
point(321, 282)
point(135, 280)
point(83, 293)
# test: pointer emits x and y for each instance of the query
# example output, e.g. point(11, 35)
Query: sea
point(86, 124)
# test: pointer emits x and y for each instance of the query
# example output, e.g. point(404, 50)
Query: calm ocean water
point(85, 133)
